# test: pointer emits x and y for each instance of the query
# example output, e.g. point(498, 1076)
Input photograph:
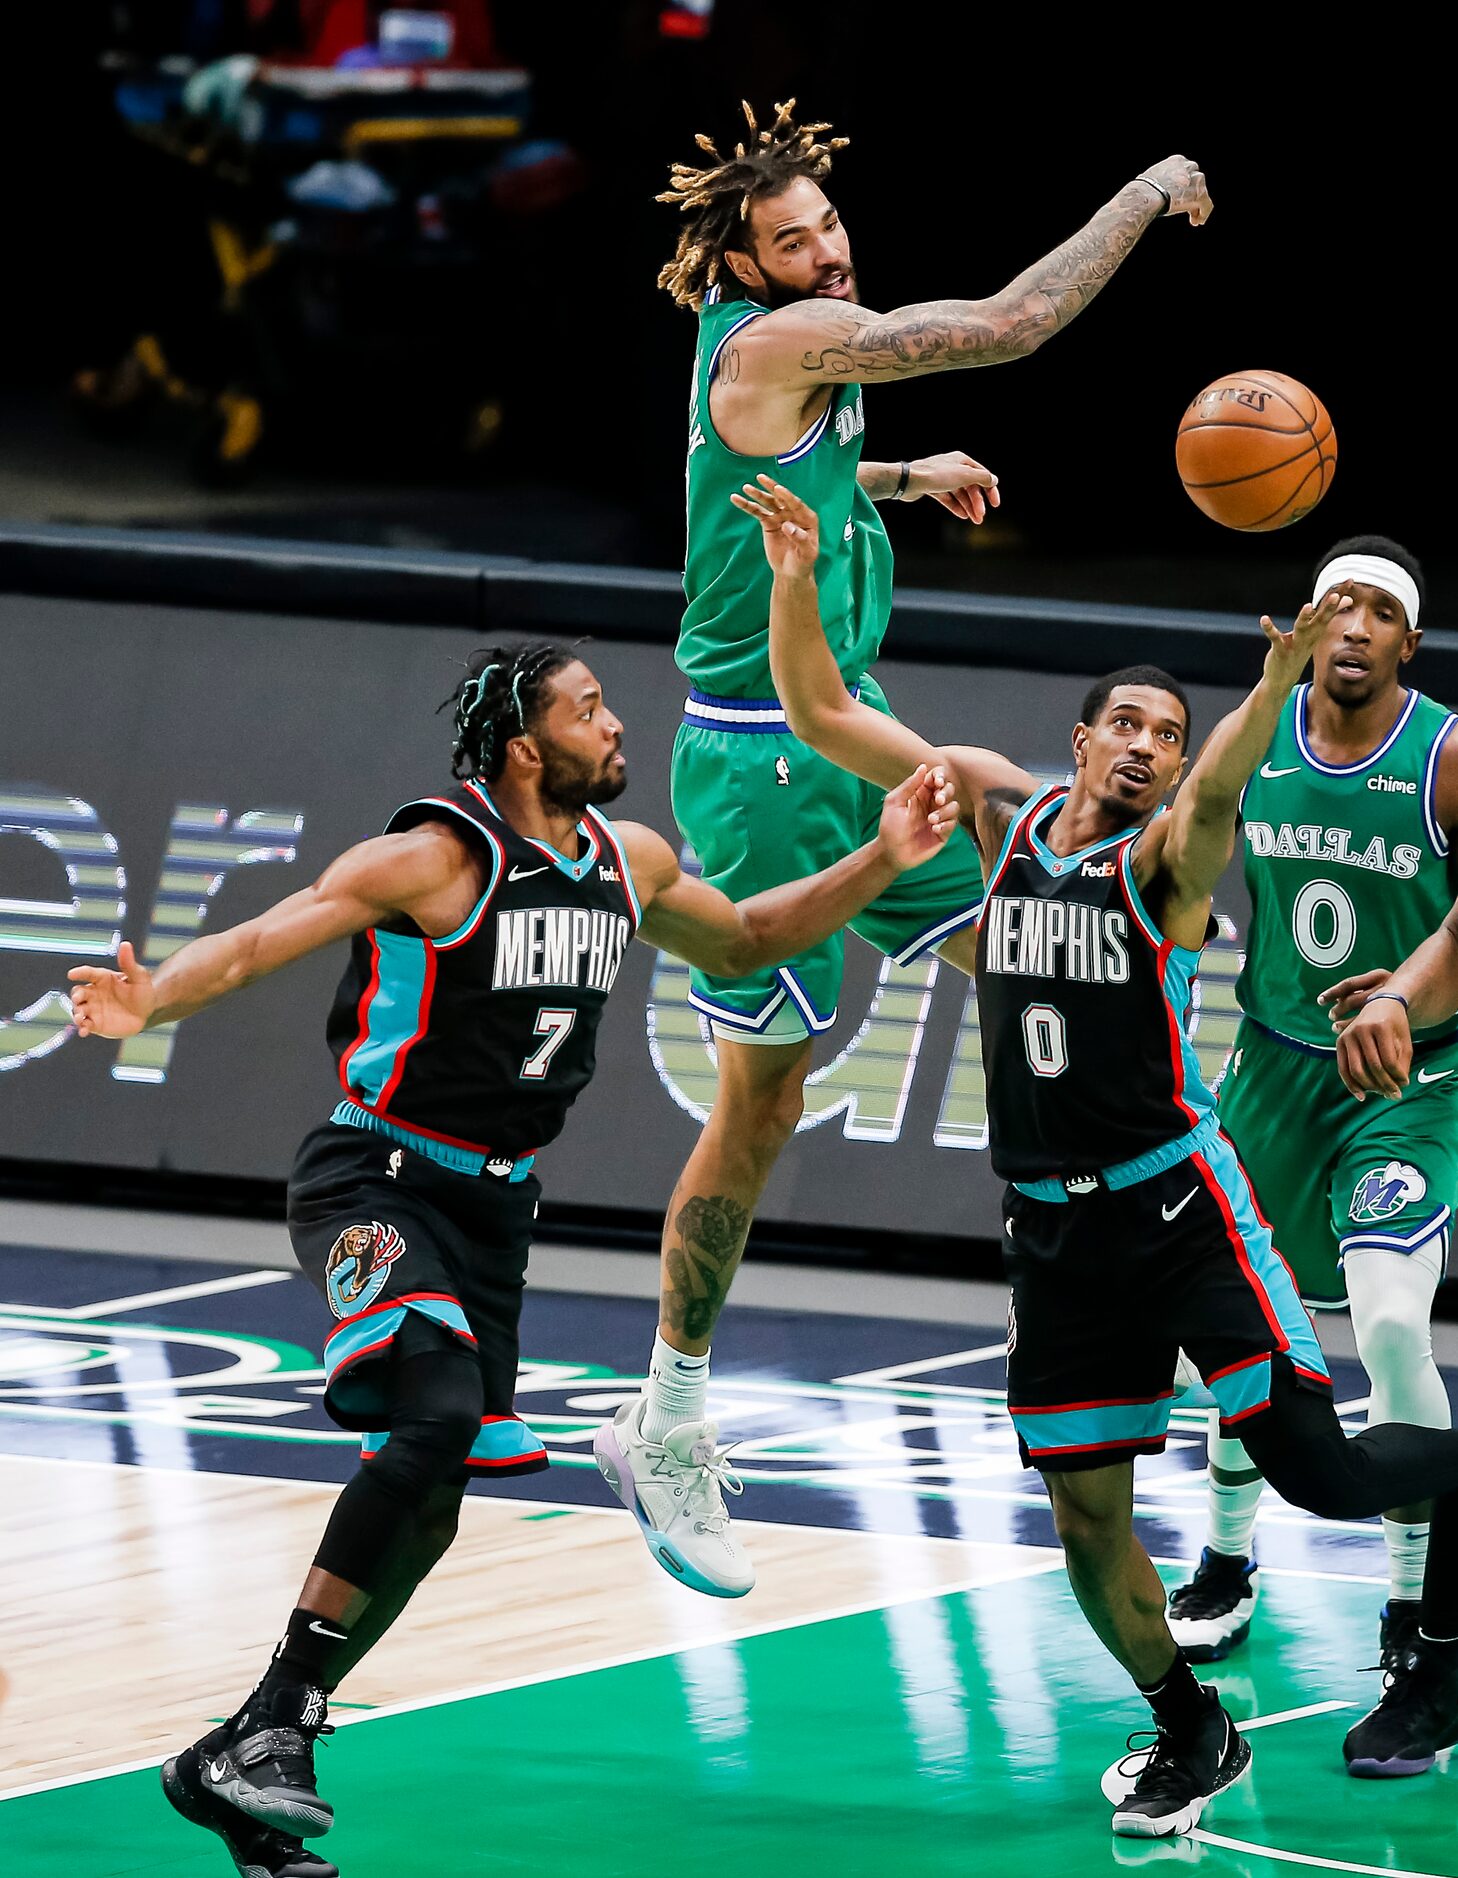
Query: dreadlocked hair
point(498, 699)
point(716, 201)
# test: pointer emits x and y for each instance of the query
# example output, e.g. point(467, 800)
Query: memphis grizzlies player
point(487, 927)
point(1131, 1229)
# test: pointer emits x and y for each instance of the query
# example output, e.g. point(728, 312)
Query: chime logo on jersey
point(1384, 1191)
point(558, 945)
point(358, 1264)
point(1056, 939)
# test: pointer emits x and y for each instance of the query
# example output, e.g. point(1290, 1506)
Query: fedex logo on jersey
point(1384, 1191)
point(558, 945)
point(1065, 939)
point(1308, 841)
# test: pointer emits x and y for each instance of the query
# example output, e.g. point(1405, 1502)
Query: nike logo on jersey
point(525, 873)
point(1271, 774)
point(1173, 1212)
point(1433, 1075)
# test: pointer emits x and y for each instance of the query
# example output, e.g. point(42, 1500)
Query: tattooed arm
point(824, 341)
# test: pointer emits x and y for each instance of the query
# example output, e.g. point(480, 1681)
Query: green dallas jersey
point(723, 644)
point(1347, 866)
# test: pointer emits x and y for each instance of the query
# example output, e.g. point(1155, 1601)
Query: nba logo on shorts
point(359, 1263)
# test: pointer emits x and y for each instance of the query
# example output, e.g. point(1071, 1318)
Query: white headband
point(1372, 571)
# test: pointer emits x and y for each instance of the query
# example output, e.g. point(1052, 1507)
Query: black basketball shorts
point(380, 1229)
point(1108, 1287)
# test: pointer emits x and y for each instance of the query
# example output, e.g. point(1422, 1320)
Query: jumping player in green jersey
point(784, 348)
point(1348, 822)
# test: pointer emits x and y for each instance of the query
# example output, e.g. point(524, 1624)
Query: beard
point(570, 785)
point(778, 294)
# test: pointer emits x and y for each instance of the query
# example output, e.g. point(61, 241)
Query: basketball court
point(910, 1687)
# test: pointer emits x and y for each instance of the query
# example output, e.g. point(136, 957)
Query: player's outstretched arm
point(818, 707)
point(826, 341)
point(1195, 841)
point(1374, 1050)
point(387, 875)
point(957, 481)
point(696, 922)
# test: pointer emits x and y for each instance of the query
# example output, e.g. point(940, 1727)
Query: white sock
point(677, 1391)
point(1232, 1504)
point(1407, 1557)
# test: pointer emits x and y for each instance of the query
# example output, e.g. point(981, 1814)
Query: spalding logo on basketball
point(1256, 451)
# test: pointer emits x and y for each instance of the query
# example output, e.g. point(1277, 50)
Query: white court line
point(1291, 1714)
point(241, 1281)
point(1308, 1858)
point(897, 1372)
point(959, 1588)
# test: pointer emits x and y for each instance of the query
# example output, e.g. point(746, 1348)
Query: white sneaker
point(675, 1489)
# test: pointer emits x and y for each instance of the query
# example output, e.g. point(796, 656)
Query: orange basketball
point(1256, 451)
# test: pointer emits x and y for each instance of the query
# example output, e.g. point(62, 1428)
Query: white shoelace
point(710, 1477)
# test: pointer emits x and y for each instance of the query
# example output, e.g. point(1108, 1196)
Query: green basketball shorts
point(760, 808)
point(1336, 1176)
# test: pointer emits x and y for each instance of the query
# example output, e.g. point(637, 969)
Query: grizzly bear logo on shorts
point(358, 1265)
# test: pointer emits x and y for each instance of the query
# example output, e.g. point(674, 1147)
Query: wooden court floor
point(909, 1689)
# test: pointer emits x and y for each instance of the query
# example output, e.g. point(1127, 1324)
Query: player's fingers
point(904, 791)
point(752, 508)
point(1270, 629)
point(87, 974)
point(976, 505)
point(1347, 1069)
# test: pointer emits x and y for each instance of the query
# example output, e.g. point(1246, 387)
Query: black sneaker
point(1418, 1713)
point(1181, 1775)
point(257, 1851)
point(261, 1761)
point(1211, 1614)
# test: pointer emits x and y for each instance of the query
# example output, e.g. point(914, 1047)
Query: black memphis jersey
point(484, 1039)
point(1082, 1003)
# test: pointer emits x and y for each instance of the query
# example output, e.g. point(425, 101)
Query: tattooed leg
point(760, 1100)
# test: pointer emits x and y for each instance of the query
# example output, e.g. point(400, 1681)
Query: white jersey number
point(1045, 1039)
point(554, 1026)
point(1324, 923)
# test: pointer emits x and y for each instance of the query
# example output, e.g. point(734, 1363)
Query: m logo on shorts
point(358, 1264)
point(1387, 1190)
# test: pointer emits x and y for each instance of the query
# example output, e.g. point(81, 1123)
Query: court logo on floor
point(358, 1266)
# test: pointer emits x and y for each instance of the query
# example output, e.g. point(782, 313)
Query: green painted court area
point(962, 1734)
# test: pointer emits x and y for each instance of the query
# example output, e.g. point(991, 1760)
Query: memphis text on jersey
point(539, 946)
point(1031, 938)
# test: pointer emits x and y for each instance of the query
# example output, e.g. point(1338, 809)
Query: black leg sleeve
point(436, 1402)
point(1298, 1444)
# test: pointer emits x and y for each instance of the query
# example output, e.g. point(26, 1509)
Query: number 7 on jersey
point(553, 1027)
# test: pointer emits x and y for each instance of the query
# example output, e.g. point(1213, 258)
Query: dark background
point(979, 141)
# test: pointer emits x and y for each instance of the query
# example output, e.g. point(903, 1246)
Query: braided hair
point(716, 201)
point(500, 697)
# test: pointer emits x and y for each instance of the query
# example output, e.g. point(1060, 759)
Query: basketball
point(1256, 451)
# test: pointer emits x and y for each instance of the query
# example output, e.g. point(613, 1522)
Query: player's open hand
point(1374, 1051)
point(1343, 1000)
point(112, 1004)
point(959, 482)
point(1287, 658)
point(1184, 183)
point(791, 527)
point(918, 816)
